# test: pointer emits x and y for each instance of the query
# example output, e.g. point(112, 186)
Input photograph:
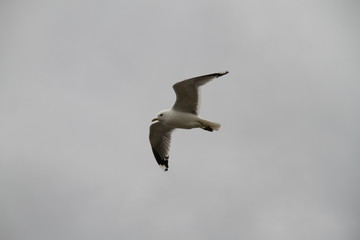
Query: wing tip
point(221, 73)
point(165, 168)
point(163, 162)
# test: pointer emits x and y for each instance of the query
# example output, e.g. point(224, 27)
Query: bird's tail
point(209, 126)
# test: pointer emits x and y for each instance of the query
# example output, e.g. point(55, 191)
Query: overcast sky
point(81, 80)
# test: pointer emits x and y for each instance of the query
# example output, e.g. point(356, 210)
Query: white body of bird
point(177, 119)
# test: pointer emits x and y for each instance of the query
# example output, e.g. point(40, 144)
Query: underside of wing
point(160, 137)
point(187, 95)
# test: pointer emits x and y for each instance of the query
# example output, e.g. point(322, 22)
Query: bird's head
point(161, 116)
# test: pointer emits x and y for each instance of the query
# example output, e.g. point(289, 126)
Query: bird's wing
point(160, 137)
point(187, 95)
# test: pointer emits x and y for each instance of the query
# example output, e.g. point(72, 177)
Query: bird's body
point(182, 115)
point(177, 119)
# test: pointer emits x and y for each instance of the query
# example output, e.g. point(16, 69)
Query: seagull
point(184, 114)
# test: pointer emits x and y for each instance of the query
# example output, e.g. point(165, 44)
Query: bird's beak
point(155, 119)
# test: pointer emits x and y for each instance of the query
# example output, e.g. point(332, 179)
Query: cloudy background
point(81, 80)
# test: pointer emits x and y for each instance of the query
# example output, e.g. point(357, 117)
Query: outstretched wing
point(187, 96)
point(160, 137)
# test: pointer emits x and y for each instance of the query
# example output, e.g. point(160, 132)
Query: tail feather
point(207, 125)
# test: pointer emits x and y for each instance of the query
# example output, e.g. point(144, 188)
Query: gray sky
point(81, 80)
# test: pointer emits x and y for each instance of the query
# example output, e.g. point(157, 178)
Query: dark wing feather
point(160, 137)
point(187, 96)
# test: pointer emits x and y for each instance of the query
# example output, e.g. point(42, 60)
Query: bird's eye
point(161, 115)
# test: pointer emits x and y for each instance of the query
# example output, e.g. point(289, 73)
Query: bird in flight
point(184, 114)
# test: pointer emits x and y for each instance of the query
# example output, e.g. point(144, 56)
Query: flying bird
point(184, 114)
